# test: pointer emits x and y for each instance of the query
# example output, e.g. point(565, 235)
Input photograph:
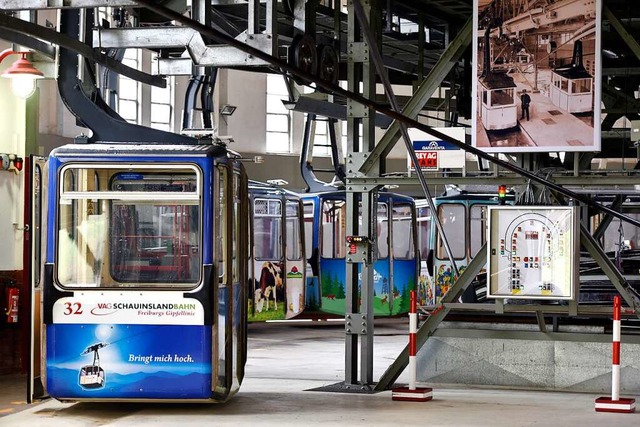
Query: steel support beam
point(588, 310)
point(28, 41)
point(201, 54)
point(360, 79)
point(447, 61)
point(629, 39)
point(551, 14)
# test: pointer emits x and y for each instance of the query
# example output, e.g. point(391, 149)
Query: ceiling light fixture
point(22, 73)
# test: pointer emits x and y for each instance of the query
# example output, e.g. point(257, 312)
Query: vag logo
point(103, 309)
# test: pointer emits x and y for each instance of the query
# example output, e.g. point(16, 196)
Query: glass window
point(129, 90)
point(162, 106)
point(477, 228)
point(502, 97)
point(294, 242)
point(278, 118)
point(382, 241)
point(403, 232)
point(236, 228)
point(144, 230)
point(267, 221)
point(424, 231)
point(581, 86)
point(221, 221)
point(333, 229)
point(564, 85)
point(308, 228)
point(452, 217)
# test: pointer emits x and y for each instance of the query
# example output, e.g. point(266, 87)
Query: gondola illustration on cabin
point(92, 376)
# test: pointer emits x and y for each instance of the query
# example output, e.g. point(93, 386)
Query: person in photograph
point(525, 99)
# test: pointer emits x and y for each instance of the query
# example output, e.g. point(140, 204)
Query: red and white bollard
point(412, 393)
point(616, 403)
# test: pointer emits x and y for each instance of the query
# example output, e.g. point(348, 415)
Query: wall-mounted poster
point(537, 78)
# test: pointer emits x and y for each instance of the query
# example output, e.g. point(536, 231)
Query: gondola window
point(141, 231)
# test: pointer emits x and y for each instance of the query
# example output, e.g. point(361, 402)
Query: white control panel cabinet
point(533, 252)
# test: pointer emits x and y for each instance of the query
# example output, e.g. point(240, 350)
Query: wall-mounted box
point(533, 252)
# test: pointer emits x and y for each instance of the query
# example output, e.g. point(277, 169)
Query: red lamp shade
point(22, 73)
point(23, 67)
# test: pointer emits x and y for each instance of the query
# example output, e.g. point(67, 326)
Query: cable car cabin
point(277, 262)
point(572, 85)
point(572, 89)
point(464, 220)
point(498, 109)
point(395, 270)
point(91, 377)
point(145, 273)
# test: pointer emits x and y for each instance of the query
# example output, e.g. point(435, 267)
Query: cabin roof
point(572, 72)
point(497, 81)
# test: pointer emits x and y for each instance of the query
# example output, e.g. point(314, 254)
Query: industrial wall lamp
point(22, 73)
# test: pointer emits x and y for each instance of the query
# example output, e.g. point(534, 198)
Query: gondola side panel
point(110, 346)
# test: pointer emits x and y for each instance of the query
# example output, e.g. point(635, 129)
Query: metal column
point(360, 120)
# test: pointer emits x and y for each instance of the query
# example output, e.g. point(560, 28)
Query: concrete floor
point(286, 360)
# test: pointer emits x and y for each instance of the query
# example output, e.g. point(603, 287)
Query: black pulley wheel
point(303, 55)
point(328, 65)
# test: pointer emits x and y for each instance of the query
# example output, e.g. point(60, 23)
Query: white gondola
point(572, 89)
point(572, 85)
point(498, 109)
point(496, 90)
point(92, 376)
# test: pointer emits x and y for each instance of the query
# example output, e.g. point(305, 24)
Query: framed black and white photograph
point(537, 82)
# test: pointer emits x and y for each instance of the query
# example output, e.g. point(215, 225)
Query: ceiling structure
point(407, 59)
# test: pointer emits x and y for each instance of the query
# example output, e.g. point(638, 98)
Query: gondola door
point(35, 212)
point(295, 260)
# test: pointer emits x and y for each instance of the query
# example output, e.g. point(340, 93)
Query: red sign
point(428, 160)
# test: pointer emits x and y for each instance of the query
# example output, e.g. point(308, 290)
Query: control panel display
point(533, 252)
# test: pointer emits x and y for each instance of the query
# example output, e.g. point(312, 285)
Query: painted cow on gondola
point(270, 286)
